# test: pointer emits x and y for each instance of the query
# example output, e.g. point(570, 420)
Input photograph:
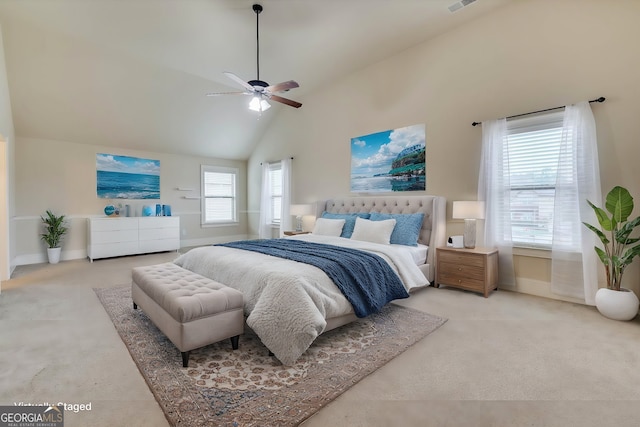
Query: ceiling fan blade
point(238, 80)
point(227, 93)
point(290, 102)
point(281, 87)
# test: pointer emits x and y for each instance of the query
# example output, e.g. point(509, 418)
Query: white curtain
point(574, 264)
point(494, 190)
point(264, 227)
point(285, 215)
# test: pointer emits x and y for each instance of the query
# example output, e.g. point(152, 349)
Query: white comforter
point(286, 301)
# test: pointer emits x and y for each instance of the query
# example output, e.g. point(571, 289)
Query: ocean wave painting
point(393, 160)
point(124, 177)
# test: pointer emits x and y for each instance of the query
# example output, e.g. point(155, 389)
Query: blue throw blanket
point(365, 279)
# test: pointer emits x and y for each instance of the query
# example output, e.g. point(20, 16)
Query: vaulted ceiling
point(134, 73)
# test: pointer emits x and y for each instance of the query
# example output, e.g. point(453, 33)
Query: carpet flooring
point(247, 387)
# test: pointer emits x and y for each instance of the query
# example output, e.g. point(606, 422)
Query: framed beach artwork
point(393, 160)
point(124, 177)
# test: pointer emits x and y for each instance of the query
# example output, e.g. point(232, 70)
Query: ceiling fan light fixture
point(259, 104)
point(260, 89)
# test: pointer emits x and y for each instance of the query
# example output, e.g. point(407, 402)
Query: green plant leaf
point(619, 203)
point(603, 218)
point(600, 234)
point(603, 255)
point(630, 254)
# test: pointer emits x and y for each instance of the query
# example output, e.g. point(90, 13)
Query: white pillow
point(328, 227)
point(373, 231)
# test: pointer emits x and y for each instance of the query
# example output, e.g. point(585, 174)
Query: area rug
point(247, 387)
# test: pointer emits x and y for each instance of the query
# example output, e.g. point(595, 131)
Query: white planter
point(54, 255)
point(617, 305)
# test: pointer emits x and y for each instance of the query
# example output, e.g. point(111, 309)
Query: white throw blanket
point(286, 301)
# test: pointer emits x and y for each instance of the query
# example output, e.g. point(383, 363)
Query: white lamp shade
point(468, 210)
point(259, 104)
point(300, 210)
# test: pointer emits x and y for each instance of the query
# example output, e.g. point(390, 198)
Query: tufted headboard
point(433, 232)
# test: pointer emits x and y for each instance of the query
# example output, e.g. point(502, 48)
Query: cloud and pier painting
point(392, 160)
point(123, 177)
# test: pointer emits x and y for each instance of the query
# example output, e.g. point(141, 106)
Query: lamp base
point(469, 236)
point(299, 223)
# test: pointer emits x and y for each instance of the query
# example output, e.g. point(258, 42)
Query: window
point(219, 195)
point(275, 192)
point(532, 154)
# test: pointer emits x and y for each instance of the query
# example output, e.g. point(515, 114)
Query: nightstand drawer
point(462, 282)
point(465, 270)
point(468, 259)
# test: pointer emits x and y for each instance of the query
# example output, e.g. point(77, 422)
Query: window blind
point(219, 196)
point(275, 185)
point(533, 152)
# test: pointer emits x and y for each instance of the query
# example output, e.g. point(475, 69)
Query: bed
point(288, 303)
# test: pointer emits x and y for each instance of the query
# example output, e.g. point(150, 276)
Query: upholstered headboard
point(433, 232)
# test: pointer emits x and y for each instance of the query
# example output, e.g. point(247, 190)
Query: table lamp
point(470, 212)
point(299, 211)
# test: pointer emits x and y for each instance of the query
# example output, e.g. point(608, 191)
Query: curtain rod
point(601, 99)
point(274, 162)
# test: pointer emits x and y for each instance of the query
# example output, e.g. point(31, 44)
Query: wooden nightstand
point(294, 233)
point(470, 269)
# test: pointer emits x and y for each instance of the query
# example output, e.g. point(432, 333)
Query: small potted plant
point(54, 230)
point(614, 301)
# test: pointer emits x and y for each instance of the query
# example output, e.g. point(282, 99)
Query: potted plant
point(54, 230)
point(614, 301)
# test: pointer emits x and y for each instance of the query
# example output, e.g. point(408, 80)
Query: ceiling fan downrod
point(257, 9)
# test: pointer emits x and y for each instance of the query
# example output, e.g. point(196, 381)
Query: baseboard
point(40, 258)
point(538, 288)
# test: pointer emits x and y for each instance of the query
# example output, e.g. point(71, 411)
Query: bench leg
point(185, 359)
point(234, 342)
point(135, 306)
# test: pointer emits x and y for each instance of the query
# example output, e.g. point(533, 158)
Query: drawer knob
point(459, 268)
point(459, 281)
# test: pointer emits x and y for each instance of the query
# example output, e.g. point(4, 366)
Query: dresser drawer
point(113, 224)
point(153, 222)
point(114, 236)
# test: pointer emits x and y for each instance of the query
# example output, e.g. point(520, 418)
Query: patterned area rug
point(247, 387)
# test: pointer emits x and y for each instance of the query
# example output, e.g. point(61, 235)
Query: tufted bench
point(191, 310)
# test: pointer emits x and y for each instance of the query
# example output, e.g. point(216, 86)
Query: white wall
point(61, 176)
point(525, 56)
point(7, 138)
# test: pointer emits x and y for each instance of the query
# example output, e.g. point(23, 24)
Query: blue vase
point(109, 210)
point(158, 210)
point(147, 210)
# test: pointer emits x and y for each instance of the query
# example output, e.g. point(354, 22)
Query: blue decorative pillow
point(407, 229)
point(349, 221)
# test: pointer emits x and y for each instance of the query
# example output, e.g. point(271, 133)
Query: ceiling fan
point(259, 89)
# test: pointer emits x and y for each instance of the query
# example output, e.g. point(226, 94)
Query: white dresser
point(110, 237)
